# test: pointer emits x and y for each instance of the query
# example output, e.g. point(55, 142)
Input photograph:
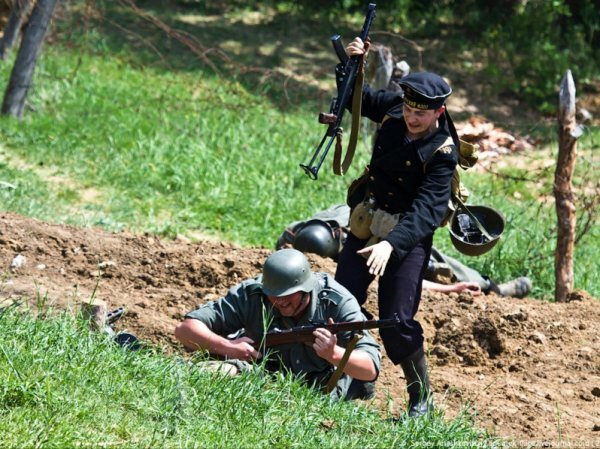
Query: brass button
point(408, 163)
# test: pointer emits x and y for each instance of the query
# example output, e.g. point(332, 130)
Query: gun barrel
point(368, 21)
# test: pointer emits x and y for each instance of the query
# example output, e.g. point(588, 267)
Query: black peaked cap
point(424, 90)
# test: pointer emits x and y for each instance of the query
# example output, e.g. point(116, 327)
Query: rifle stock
point(338, 105)
point(304, 334)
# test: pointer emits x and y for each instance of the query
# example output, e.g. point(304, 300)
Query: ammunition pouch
point(361, 218)
point(358, 189)
point(383, 222)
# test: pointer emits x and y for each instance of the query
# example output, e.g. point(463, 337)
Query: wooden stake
point(568, 132)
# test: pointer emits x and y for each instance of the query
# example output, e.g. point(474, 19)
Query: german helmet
point(475, 231)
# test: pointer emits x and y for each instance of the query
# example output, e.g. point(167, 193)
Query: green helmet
point(316, 236)
point(287, 271)
point(466, 236)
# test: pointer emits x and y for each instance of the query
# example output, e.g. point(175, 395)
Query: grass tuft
point(64, 386)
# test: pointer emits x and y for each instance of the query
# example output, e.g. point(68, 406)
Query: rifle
point(304, 334)
point(348, 75)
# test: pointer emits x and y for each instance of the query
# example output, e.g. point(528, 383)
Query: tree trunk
point(31, 44)
point(13, 26)
point(568, 132)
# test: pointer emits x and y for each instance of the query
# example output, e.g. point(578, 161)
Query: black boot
point(417, 381)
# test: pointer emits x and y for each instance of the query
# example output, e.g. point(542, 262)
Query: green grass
point(129, 130)
point(524, 196)
point(63, 386)
point(112, 145)
point(171, 152)
point(115, 135)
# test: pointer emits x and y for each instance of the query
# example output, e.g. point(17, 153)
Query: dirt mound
point(529, 369)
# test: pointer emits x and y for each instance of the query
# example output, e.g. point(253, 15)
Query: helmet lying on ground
point(287, 271)
point(467, 237)
point(316, 236)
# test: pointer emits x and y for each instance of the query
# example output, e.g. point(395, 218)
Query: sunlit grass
point(62, 386)
point(109, 141)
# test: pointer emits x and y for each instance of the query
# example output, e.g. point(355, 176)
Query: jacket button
point(408, 163)
point(386, 205)
point(372, 178)
point(400, 179)
point(390, 193)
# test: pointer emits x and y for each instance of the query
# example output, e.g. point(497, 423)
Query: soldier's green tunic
point(246, 307)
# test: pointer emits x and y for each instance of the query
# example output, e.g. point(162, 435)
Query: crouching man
point(287, 294)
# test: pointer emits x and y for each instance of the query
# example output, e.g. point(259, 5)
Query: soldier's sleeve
point(376, 103)
point(224, 316)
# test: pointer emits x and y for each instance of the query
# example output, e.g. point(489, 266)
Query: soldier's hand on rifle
point(357, 47)
point(242, 349)
point(325, 342)
point(377, 256)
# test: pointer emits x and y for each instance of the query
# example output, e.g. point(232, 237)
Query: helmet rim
point(285, 272)
point(317, 237)
point(490, 218)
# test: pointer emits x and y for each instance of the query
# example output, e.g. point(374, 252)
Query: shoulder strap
point(339, 168)
point(253, 289)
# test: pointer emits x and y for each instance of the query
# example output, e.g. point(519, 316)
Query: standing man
point(408, 184)
point(288, 294)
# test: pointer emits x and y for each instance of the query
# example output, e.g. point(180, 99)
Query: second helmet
point(465, 235)
point(317, 237)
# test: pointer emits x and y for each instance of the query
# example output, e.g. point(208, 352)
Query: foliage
point(63, 386)
point(132, 130)
point(525, 46)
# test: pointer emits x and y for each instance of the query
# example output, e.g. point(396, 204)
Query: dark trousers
point(399, 292)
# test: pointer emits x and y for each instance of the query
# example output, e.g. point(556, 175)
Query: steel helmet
point(317, 236)
point(467, 237)
point(287, 271)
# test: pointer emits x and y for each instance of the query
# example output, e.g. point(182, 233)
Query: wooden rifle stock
point(304, 334)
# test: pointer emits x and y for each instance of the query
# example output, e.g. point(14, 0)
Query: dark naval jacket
point(409, 178)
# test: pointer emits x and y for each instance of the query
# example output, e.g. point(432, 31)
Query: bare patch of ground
point(529, 369)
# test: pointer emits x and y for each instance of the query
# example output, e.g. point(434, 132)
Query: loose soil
point(529, 370)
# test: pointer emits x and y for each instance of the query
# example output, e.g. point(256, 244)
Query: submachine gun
point(347, 77)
